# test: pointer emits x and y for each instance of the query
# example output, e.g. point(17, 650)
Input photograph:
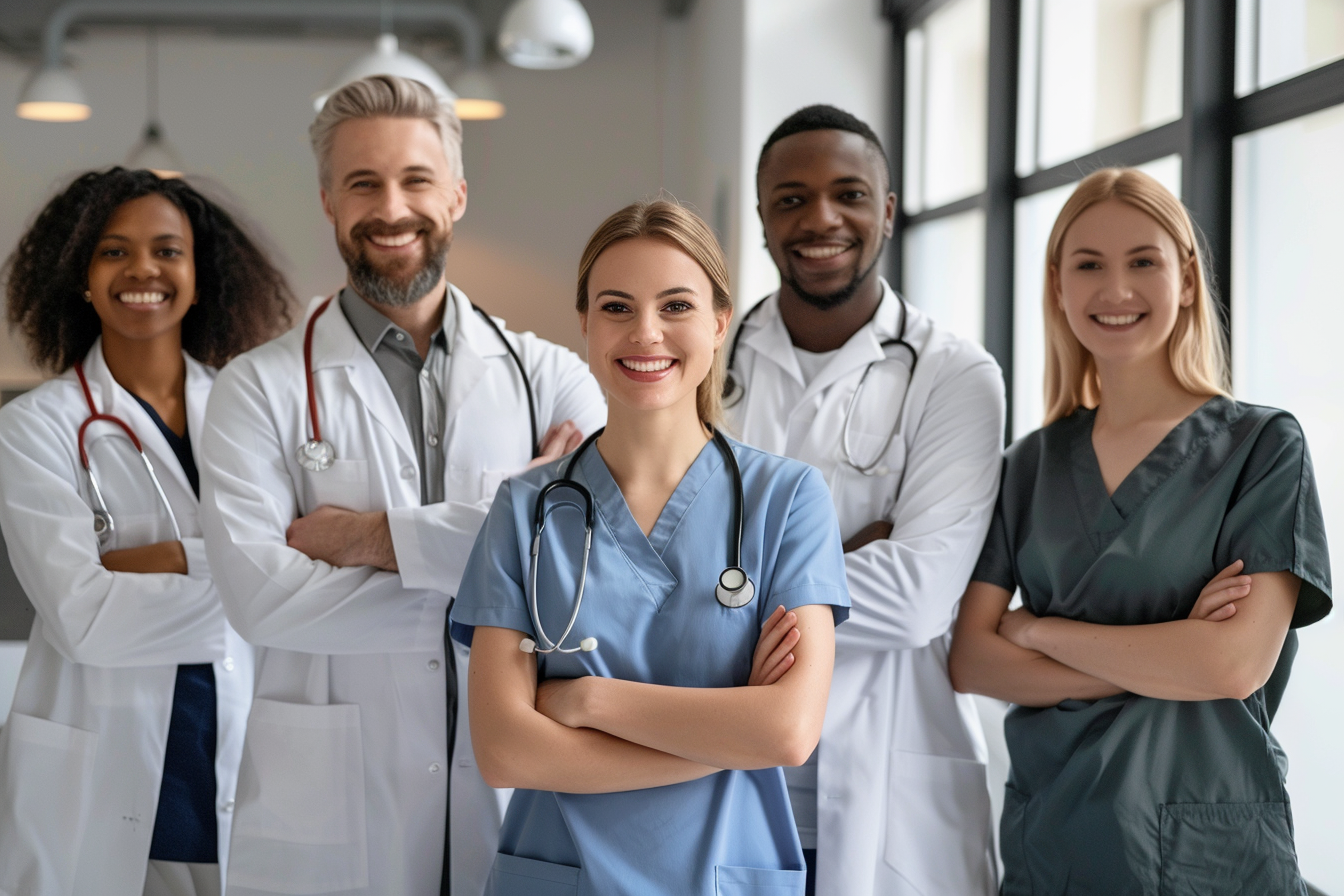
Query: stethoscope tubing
point(101, 513)
point(315, 426)
point(870, 469)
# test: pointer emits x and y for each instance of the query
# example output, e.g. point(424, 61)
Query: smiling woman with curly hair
point(119, 760)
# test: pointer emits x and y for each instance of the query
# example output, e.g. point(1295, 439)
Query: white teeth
point(821, 251)
point(142, 298)
point(647, 366)
point(401, 239)
point(1116, 320)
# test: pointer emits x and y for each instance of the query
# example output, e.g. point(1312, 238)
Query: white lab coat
point(81, 757)
point(903, 803)
point(342, 787)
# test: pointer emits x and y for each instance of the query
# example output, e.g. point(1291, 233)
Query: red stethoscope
point(103, 524)
point(317, 454)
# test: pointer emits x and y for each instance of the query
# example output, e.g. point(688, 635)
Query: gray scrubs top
point(1129, 794)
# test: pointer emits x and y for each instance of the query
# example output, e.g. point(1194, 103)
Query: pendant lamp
point(53, 94)
point(545, 34)
point(154, 152)
point(387, 59)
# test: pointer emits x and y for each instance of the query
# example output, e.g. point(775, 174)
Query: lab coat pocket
point(345, 484)
point(940, 838)
point(1227, 848)
point(734, 880)
point(299, 825)
point(517, 876)
point(491, 480)
point(46, 791)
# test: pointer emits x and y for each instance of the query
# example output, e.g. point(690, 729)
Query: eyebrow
point(369, 172)
point(1136, 250)
point(671, 291)
point(839, 181)
point(126, 239)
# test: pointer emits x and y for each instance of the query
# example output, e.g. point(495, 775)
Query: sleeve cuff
point(464, 621)
point(197, 566)
point(803, 595)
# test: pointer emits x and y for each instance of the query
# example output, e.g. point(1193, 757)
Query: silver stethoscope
point(317, 454)
point(103, 524)
point(734, 588)
point(732, 389)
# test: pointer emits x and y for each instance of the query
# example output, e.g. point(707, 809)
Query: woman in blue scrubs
point(1164, 538)
point(650, 764)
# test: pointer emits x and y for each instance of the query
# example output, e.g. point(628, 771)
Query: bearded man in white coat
point(906, 422)
point(347, 468)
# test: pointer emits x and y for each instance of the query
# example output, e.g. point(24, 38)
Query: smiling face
point(651, 327)
point(393, 200)
point(827, 212)
point(142, 276)
point(1121, 282)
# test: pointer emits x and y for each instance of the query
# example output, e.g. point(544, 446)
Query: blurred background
point(990, 109)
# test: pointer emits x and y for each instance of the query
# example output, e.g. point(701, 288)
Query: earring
point(88, 296)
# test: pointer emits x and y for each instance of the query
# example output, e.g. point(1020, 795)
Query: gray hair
point(385, 96)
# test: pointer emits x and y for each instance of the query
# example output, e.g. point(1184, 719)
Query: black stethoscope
point(734, 588)
point(733, 389)
point(103, 523)
point(317, 454)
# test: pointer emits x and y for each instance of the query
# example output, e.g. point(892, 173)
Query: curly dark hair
point(242, 299)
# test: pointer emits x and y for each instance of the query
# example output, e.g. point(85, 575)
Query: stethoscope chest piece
point(734, 588)
point(316, 455)
point(102, 525)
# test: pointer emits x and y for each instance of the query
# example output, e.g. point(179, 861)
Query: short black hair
point(822, 117)
point(243, 300)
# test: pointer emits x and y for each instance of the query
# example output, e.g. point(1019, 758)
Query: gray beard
point(380, 289)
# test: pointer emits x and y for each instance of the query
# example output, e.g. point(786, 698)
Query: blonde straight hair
point(1197, 347)
point(385, 96)
point(673, 223)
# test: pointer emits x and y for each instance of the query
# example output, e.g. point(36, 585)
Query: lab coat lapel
point(474, 343)
point(337, 347)
point(864, 347)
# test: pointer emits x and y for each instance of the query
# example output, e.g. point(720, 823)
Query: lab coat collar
point(110, 397)
point(770, 339)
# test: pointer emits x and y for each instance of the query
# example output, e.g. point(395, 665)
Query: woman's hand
point(1015, 626)
point(563, 700)
point(1218, 599)
point(774, 649)
point(163, 556)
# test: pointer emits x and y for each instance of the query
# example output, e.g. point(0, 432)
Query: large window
point(1236, 105)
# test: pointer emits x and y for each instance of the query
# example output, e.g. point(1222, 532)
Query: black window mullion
point(894, 264)
point(1144, 147)
point(1209, 91)
point(1001, 184)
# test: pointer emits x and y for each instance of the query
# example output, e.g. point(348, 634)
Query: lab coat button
point(433, 665)
point(227, 664)
point(433, 440)
point(401, 337)
point(228, 807)
point(434, 768)
point(408, 472)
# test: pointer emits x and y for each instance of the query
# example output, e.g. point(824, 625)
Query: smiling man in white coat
point(905, 421)
point(347, 468)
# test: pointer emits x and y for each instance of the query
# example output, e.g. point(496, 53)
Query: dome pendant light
point(153, 152)
point(387, 59)
point(546, 34)
point(53, 94)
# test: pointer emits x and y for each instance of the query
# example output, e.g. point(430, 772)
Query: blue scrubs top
point(650, 603)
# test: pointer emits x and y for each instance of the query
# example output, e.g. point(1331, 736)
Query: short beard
point(835, 299)
point(382, 289)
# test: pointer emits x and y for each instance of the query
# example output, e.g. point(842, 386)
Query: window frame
point(1212, 117)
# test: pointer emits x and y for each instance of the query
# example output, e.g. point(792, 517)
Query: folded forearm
point(533, 752)
point(987, 664)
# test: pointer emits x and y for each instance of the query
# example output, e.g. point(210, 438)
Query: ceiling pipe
point(143, 12)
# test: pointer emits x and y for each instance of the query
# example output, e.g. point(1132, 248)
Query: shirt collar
point(372, 327)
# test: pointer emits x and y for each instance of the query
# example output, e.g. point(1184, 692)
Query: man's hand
point(1015, 626)
point(558, 441)
point(774, 649)
point(344, 538)
point(163, 556)
point(876, 531)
